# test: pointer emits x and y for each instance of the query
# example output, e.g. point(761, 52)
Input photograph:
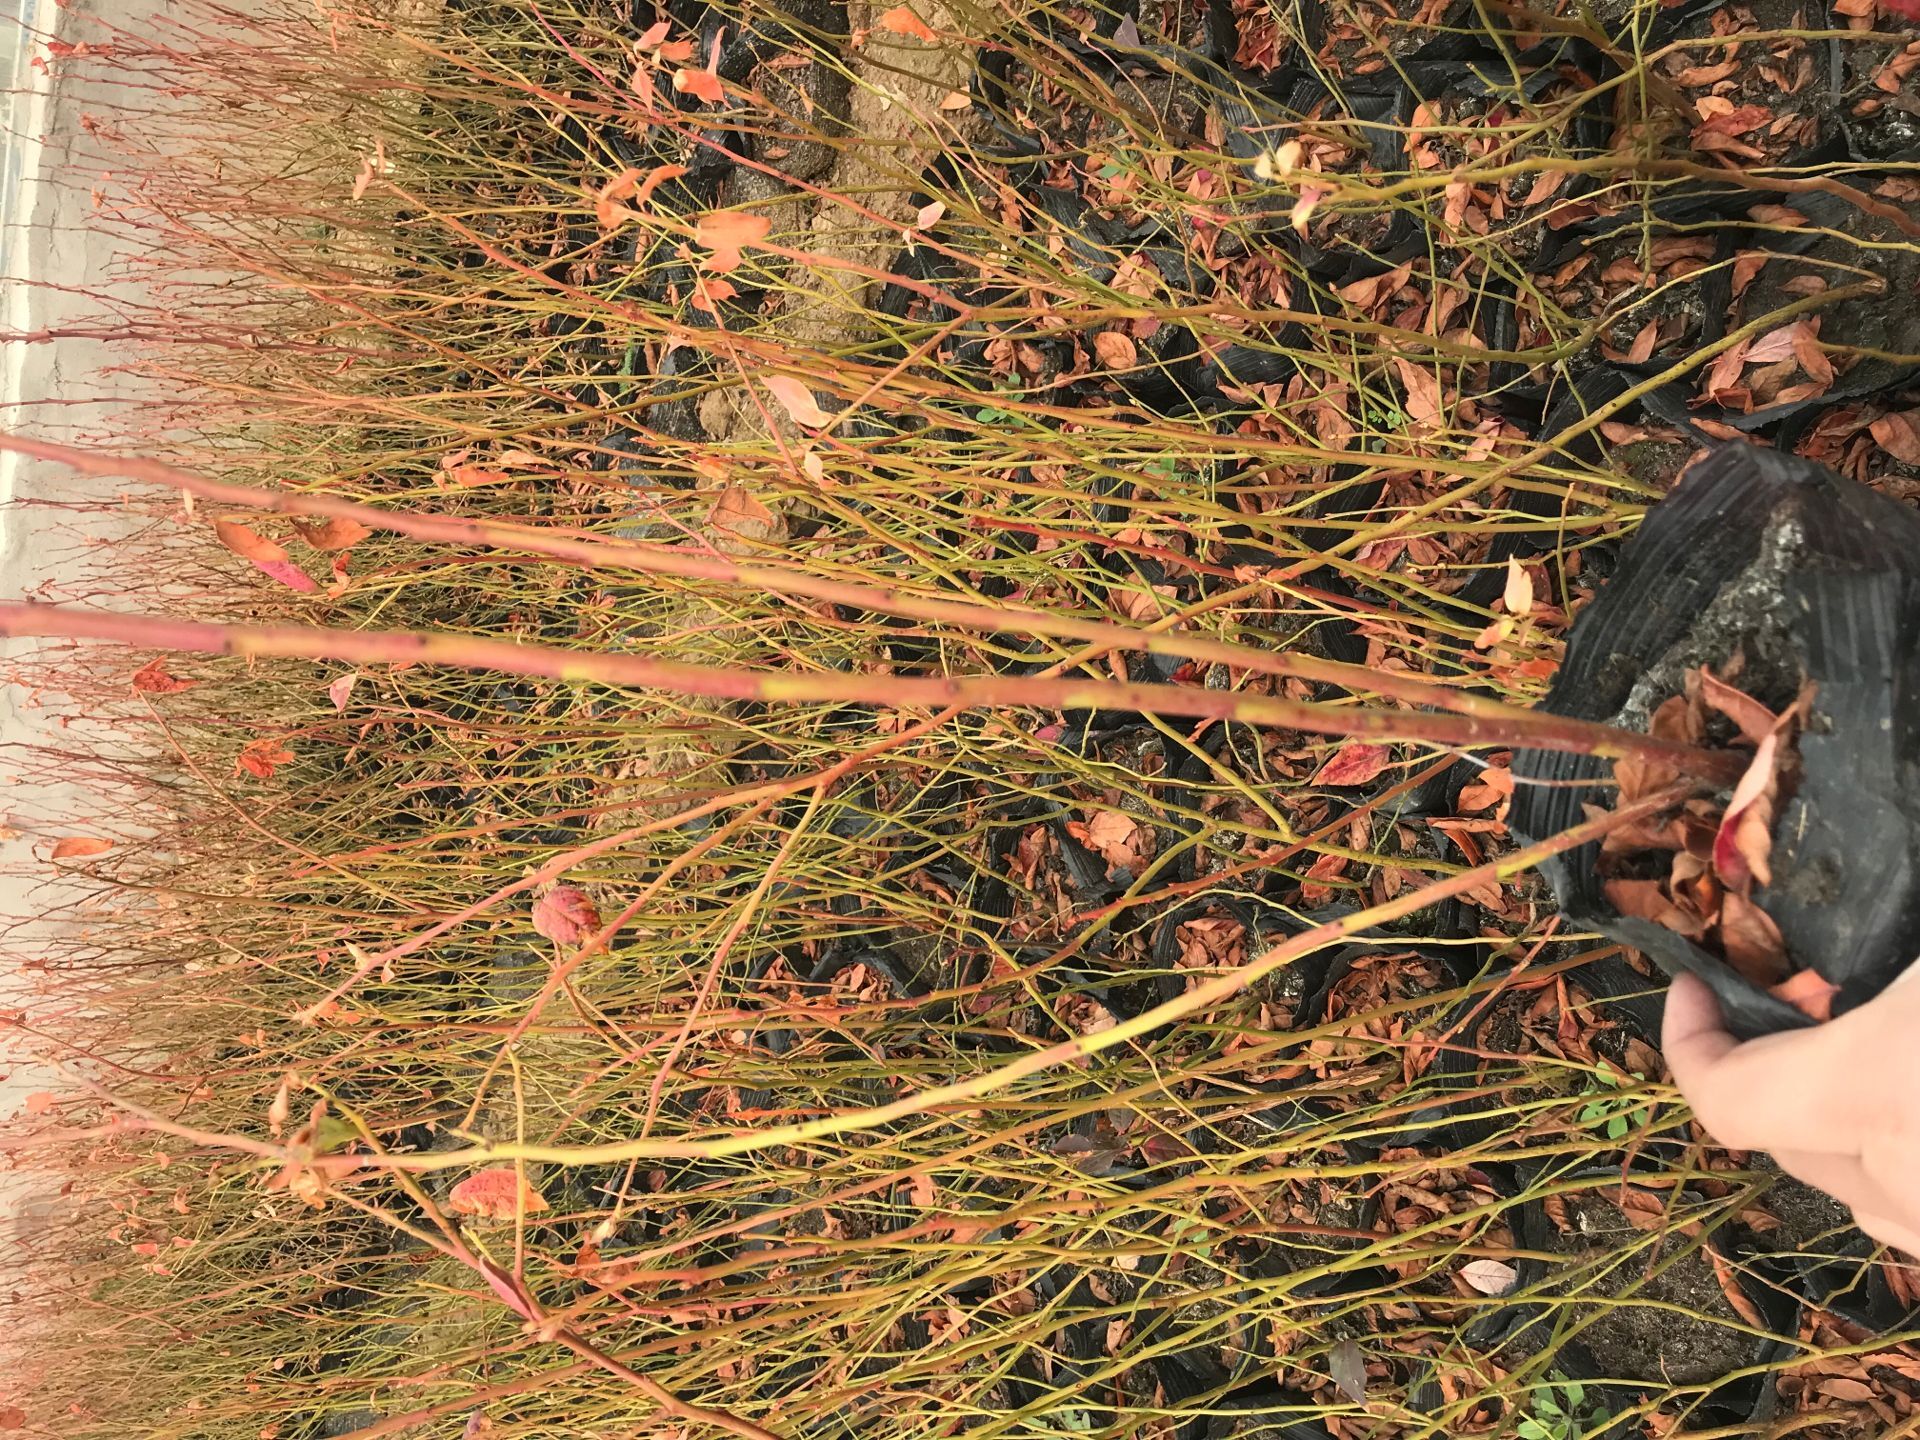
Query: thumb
point(1694, 1034)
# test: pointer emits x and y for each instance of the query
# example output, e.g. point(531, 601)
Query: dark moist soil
point(1812, 1222)
point(1638, 1341)
point(1747, 619)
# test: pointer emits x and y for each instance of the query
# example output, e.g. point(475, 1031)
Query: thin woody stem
point(581, 548)
point(787, 687)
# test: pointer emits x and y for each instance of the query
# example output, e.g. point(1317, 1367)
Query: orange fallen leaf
point(78, 847)
point(726, 233)
point(153, 678)
point(336, 534)
point(1809, 992)
point(496, 1193)
point(260, 758)
point(701, 84)
point(1116, 351)
point(902, 21)
point(266, 556)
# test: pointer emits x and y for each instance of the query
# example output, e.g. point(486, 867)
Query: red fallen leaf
point(1905, 9)
point(565, 915)
point(12, 1417)
point(1750, 940)
point(902, 21)
point(336, 534)
point(1754, 720)
point(261, 758)
point(152, 679)
point(496, 1193)
point(1809, 992)
point(78, 847)
point(798, 401)
point(340, 689)
point(289, 575)
point(1744, 842)
point(1648, 900)
point(726, 233)
point(1354, 764)
point(39, 1103)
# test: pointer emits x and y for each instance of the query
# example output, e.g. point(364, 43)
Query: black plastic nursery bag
point(1811, 577)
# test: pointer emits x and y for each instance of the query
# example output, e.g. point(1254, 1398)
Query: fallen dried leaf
point(1518, 594)
point(1648, 900)
point(902, 21)
point(1754, 720)
point(798, 401)
point(1347, 1368)
point(565, 915)
point(1809, 992)
point(153, 678)
point(1116, 351)
point(496, 1193)
point(77, 847)
point(1744, 842)
point(336, 534)
point(1899, 435)
point(1354, 764)
point(726, 233)
point(1490, 1277)
point(1751, 941)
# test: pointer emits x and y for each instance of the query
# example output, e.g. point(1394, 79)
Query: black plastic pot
point(1808, 575)
point(1590, 1360)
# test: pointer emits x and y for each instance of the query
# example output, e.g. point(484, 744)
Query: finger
point(1843, 1177)
point(1693, 1033)
point(1889, 1232)
point(1800, 1090)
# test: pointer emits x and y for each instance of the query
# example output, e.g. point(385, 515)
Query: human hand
point(1837, 1105)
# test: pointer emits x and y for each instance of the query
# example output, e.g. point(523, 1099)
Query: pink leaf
point(565, 915)
point(1490, 1277)
point(798, 401)
point(289, 575)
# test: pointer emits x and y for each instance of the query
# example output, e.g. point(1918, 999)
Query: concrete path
point(51, 256)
